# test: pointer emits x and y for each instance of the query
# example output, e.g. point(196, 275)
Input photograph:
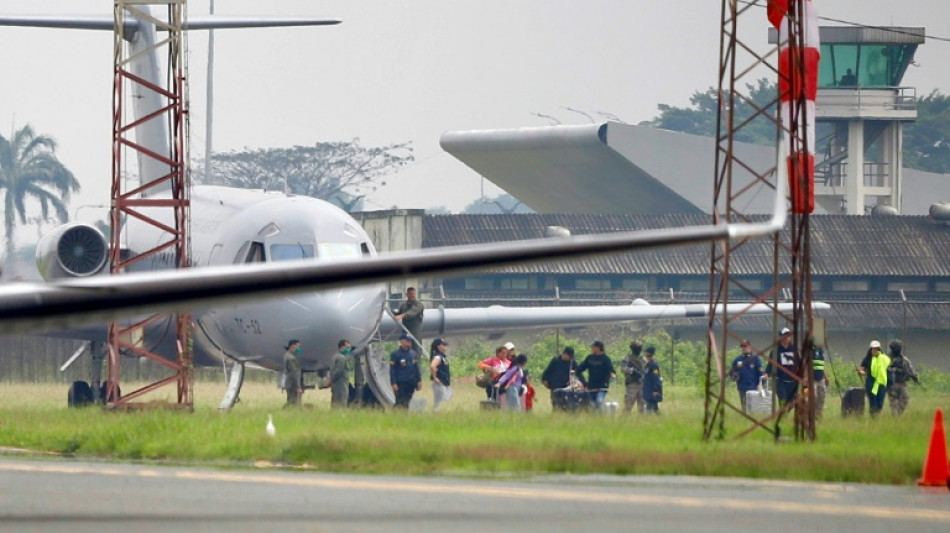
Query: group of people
point(644, 384)
point(883, 375)
point(291, 376)
point(887, 376)
point(783, 366)
point(405, 376)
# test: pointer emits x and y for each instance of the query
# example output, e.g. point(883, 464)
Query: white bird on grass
point(270, 429)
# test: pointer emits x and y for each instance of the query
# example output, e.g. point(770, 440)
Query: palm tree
point(29, 169)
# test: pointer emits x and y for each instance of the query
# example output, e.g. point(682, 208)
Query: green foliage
point(341, 172)
point(29, 169)
point(927, 140)
point(753, 116)
point(465, 440)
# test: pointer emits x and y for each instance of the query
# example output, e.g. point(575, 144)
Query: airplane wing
point(210, 22)
point(499, 319)
point(39, 307)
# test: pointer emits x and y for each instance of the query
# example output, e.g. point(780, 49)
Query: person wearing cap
point(440, 373)
point(783, 368)
point(340, 375)
point(899, 373)
point(557, 375)
point(404, 372)
point(496, 366)
point(410, 313)
point(746, 371)
point(632, 366)
point(599, 369)
point(874, 369)
point(293, 377)
point(510, 346)
point(652, 382)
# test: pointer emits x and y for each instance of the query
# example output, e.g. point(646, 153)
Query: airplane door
point(374, 370)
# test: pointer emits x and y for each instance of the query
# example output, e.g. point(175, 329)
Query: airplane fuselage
point(233, 226)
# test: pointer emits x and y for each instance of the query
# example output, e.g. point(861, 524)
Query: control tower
point(861, 108)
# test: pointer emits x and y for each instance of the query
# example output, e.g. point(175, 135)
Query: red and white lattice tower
point(796, 68)
point(155, 133)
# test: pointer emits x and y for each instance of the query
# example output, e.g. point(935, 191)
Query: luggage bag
point(759, 401)
point(570, 400)
point(852, 402)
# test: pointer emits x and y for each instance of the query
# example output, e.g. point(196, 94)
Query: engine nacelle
point(73, 250)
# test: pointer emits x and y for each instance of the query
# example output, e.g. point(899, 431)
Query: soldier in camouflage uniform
point(899, 373)
point(632, 367)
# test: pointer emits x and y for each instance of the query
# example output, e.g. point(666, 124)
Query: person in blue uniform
point(746, 371)
point(652, 382)
point(404, 372)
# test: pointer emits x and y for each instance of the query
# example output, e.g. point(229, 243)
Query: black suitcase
point(570, 400)
point(852, 402)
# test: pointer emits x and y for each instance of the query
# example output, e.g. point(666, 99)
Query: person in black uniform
point(404, 372)
point(558, 373)
point(599, 371)
point(785, 356)
point(652, 382)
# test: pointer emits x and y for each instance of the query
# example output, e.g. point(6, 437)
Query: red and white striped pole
point(799, 52)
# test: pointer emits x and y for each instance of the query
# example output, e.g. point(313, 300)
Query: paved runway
point(75, 496)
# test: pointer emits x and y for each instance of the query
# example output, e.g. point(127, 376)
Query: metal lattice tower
point(789, 249)
point(161, 197)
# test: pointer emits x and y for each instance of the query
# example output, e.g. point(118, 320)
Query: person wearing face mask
point(293, 382)
point(340, 375)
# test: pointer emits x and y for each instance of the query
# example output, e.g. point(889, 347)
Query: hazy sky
point(405, 71)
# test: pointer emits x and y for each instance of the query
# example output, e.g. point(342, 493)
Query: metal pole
point(209, 97)
point(904, 324)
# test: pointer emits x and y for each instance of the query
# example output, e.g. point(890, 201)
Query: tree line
point(926, 140)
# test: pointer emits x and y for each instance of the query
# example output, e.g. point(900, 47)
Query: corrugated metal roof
point(841, 245)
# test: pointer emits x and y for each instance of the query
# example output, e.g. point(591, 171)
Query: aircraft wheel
point(104, 388)
point(80, 394)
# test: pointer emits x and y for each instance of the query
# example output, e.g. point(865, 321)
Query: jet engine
point(74, 250)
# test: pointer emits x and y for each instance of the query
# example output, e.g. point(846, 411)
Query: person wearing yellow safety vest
point(874, 369)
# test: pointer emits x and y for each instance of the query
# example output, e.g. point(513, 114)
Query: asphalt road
point(65, 495)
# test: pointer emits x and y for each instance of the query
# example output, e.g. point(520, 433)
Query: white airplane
point(269, 266)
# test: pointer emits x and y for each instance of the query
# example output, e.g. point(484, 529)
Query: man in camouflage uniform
point(632, 367)
point(899, 373)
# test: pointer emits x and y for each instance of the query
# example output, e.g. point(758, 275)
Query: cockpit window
point(255, 253)
point(339, 250)
point(290, 252)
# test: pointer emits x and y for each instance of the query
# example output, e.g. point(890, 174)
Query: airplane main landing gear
point(80, 394)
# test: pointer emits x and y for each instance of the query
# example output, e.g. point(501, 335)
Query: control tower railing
point(864, 102)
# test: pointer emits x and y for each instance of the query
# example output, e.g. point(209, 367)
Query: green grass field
point(463, 440)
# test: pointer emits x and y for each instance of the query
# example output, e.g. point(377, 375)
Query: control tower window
point(290, 252)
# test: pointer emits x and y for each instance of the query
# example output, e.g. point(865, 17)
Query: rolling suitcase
point(852, 402)
point(759, 401)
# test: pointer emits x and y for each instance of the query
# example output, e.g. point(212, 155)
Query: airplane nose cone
point(324, 318)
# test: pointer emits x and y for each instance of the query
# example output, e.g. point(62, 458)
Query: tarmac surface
point(79, 496)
